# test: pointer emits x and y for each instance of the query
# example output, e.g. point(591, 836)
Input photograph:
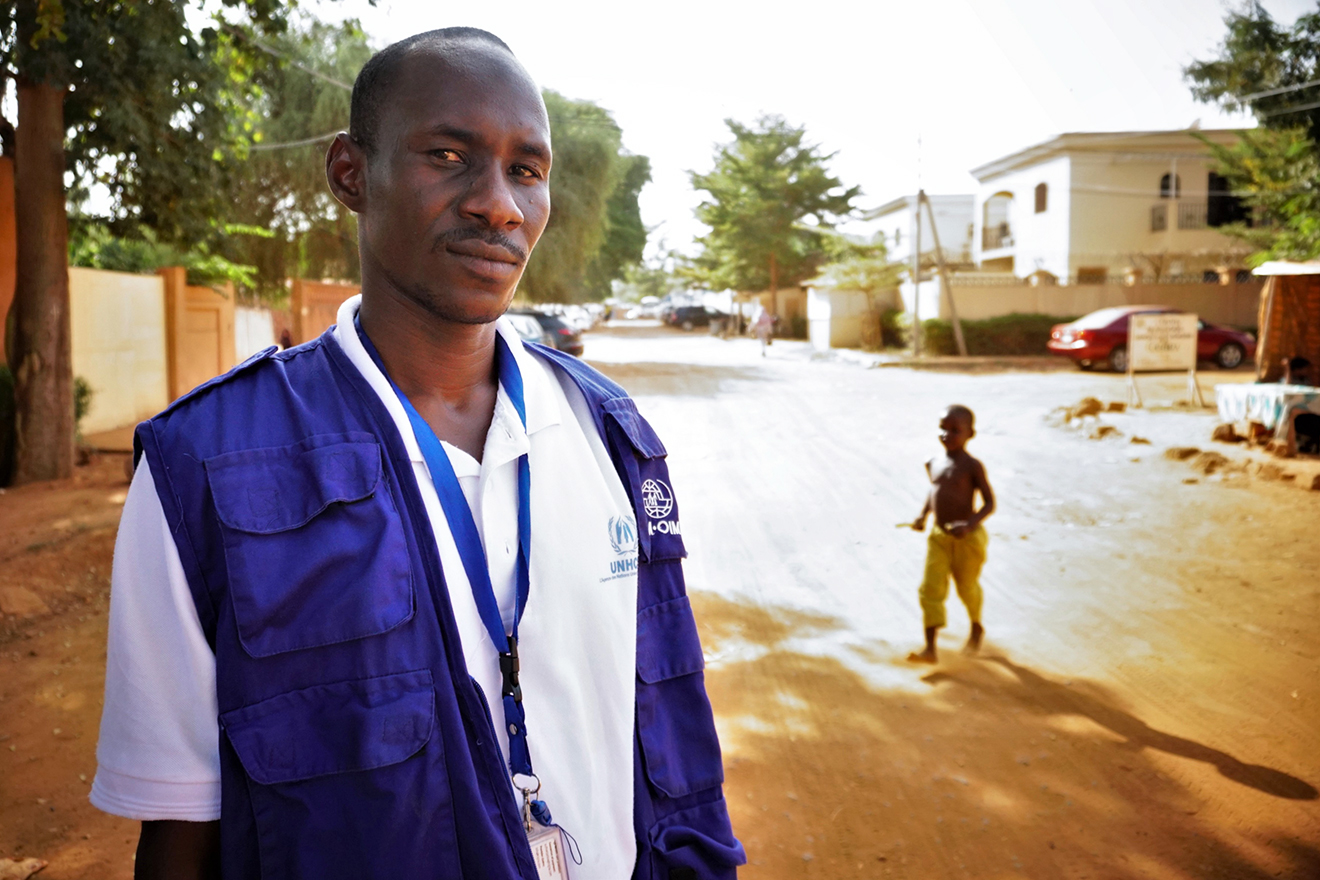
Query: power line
point(302, 143)
point(1297, 109)
point(1268, 93)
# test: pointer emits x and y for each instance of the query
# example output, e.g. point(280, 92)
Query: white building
point(896, 221)
point(1107, 206)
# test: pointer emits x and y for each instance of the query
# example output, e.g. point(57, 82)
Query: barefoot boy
point(957, 540)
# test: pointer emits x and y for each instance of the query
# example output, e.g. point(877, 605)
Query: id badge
point(547, 842)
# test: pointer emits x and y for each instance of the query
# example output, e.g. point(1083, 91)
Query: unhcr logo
point(623, 534)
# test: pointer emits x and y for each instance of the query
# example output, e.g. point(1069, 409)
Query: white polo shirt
point(158, 753)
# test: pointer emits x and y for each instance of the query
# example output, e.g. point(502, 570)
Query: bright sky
point(972, 80)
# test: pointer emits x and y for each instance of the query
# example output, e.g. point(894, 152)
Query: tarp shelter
point(1289, 319)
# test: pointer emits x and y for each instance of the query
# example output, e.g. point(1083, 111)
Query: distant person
point(1298, 371)
point(957, 542)
point(286, 339)
point(763, 328)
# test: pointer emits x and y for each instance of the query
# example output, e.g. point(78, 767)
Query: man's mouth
point(483, 258)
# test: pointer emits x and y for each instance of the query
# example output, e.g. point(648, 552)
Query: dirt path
point(1147, 706)
point(1148, 702)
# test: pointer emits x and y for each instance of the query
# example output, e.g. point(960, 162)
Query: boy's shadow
point(1040, 694)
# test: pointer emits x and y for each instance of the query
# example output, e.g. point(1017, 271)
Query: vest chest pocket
point(314, 545)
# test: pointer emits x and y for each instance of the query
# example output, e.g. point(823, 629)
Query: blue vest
point(353, 742)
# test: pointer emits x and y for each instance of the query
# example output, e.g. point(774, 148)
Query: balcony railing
point(993, 238)
point(1190, 214)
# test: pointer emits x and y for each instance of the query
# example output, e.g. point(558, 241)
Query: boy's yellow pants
point(959, 558)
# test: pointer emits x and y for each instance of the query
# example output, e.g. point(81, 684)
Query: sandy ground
point(1146, 706)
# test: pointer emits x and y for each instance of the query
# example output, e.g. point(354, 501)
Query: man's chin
point(465, 306)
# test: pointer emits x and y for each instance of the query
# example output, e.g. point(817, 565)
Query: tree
point(280, 187)
point(595, 229)
point(863, 267)
point(764, 185)
point(128, 95)
point(1270, 71)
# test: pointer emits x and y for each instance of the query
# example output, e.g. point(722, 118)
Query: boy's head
point(1299, 371)
point(957, 426)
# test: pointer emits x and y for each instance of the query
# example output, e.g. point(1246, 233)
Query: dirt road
point(1148, 704)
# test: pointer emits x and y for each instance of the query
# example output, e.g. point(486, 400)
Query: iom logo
point(623, 534)
point(657, 498)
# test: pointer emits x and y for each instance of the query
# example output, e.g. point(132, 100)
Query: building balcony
point(994, 238)
point(1188, 214)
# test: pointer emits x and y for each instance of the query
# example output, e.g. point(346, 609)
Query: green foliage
point(93, 245)
point(1015, 334)
point(764, 185)
point(280, 184)
point(595, 228)
point(1277, 171)
point(156, 112)
point(864, 268)
point(895, 328)
point(82, 402)
point(648, 279)
point(1273, 168)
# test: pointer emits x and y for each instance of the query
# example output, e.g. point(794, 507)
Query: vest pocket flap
point(333, 728)
point(667, 641)
point(264, 491)
point(639, 431)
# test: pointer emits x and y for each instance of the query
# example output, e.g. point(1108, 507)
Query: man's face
point(954, 432)
point(457, 190)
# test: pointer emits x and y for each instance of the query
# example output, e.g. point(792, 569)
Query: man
point(363, 585)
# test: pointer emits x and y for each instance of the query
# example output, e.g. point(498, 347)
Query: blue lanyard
point(470, 549)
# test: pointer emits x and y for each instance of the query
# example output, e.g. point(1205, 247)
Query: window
point(1042, 197)
point(898, 237)
point(1222, 206)
point(1209, 276)
point(1170, 186)
point(1243, 276)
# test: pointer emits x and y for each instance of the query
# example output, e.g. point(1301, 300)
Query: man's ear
point(346, 172)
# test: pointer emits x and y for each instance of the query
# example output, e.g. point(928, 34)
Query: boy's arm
point(982, 484)
point(919, 524)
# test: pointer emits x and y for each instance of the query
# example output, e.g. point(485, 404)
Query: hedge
point(1005, 335)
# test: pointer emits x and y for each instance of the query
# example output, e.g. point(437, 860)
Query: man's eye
point(524, 172)
point(447, 155)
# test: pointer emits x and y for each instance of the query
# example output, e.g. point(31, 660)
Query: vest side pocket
point(680, 748)
point(646, 478)
point(314, 545)
point(339, 774)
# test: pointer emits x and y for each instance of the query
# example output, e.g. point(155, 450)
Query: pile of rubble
point(1085, 417)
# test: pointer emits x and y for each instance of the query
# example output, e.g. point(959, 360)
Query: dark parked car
point(689, 317)
point(1101, 338)
point(566, 339)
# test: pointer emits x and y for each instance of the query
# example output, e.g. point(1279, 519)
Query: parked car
point(689, 317)
point(563, 337)
point(530, 329)
point(1100, 338)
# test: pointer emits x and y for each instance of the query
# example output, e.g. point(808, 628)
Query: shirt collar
point(506, 439)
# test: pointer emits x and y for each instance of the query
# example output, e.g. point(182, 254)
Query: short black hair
point(1299, 363)
point(958, 411)
point(374, 80)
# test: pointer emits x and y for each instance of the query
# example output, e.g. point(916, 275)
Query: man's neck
point(446, 369)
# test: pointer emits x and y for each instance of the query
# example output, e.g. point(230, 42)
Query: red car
point(1101, 338)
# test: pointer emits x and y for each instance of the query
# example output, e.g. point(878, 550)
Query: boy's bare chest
point(946, 474)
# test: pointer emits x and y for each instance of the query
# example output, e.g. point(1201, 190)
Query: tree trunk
point(42, 356)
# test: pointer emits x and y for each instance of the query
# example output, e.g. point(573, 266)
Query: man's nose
point(490, 198)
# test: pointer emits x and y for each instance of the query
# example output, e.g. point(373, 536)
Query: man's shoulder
point(244, 380)
point(595, 385)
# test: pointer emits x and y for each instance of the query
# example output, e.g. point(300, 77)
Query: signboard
point(1162, 343)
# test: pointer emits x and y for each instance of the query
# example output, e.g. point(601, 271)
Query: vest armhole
point(145, 439)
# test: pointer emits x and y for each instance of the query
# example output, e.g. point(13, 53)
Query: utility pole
point(922, 199)
point(916, 279)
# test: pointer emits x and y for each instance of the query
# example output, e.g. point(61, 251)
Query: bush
point(1005, 335)
point(895, 328)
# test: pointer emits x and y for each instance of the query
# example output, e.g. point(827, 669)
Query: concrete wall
point(1234, 304)
point(254, 331)
point(844, 318)
point(118, 335)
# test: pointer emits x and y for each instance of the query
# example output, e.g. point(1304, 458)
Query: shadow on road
point(981, 768)
point(1043, 695)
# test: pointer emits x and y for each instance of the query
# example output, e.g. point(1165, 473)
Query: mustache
point(488, 236)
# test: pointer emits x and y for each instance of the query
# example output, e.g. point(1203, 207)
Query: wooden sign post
point(1162, 343)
